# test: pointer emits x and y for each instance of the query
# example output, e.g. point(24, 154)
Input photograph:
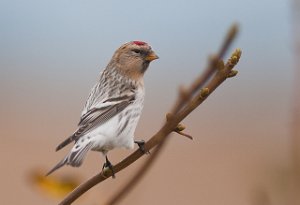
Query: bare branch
point(209, 70)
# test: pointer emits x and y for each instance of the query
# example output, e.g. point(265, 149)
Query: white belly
point(119, 130)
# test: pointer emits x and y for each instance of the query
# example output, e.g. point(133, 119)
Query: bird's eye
point(136, 50)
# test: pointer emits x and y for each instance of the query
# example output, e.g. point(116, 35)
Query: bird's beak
point(151, 56)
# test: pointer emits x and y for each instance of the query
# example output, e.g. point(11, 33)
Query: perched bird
point(113, 108)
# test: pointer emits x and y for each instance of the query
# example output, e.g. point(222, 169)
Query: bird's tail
point(59, 165)
point(75, 157)
point(66, 142)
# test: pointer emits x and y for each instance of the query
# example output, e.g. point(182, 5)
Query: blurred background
point(243, 151)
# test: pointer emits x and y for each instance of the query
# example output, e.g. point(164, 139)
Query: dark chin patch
point(145, 66)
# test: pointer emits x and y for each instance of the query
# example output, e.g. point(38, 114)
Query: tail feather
point(66, 142)
point(78, 153)
point(59, 165)
point(75, 157)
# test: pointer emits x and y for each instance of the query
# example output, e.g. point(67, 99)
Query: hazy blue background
point(52, 51)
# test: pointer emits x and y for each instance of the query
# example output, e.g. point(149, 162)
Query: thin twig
point(176, 117)
point(208, 72)
point(184, 134)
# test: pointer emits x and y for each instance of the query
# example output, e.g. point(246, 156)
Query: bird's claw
point(108, 165)
point(141, 144)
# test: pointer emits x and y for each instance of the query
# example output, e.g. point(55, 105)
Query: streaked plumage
point(114, 106)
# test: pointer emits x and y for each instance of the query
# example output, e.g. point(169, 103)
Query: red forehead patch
point(139, 43)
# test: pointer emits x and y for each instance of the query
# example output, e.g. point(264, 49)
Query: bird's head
point(133, 58)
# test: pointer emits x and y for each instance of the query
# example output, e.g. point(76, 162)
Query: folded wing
point(99, 115)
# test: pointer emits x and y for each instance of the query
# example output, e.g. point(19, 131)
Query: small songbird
point(113, 108)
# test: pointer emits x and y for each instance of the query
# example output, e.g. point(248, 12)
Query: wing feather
point(97, 116)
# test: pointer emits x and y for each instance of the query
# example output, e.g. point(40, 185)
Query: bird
point(113, 107)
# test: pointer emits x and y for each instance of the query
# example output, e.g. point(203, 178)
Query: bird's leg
point(141, 144)
point(110, 166)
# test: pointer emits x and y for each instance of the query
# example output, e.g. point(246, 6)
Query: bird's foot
point(141, 144)
point(108, 165)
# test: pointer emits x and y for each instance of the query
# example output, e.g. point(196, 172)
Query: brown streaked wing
point(97, 117)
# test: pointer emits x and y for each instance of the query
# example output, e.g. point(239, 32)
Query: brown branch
point(187, 102)
point(140, 173)
point(185, 95)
